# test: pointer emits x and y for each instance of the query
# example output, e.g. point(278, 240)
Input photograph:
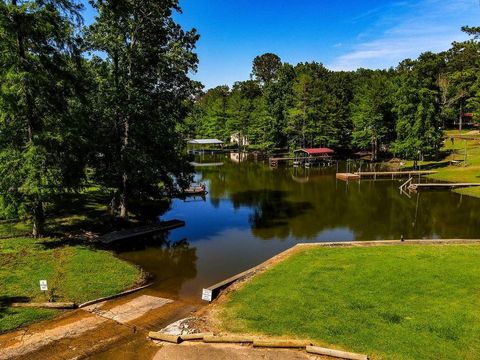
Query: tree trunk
point(460, 118)
point(38, 213)
point(38, 220)
point(126, 134)
point(124, 198)
point(374, 150)
point(23, 58)
point(123, 195)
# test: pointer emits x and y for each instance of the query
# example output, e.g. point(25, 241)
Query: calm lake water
point(252, 212)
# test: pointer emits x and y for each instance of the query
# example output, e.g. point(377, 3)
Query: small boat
point(196, 190)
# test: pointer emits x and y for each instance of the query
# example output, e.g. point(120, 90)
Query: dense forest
point(400, 111)
point(113, 103)
point(101, 100)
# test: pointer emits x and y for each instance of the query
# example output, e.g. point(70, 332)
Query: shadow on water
point(170, 263)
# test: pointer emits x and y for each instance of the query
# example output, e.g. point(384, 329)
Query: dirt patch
point(28, 342)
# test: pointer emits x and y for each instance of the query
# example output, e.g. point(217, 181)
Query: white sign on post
point(207, 295)
point(43, 285)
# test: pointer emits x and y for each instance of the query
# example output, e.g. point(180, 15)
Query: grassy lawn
point(469, 173)
point(394, 302)
point(77, 273)
point(457, 173)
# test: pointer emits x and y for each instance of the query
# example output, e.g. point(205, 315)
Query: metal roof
point(317, 151)
point(205, 141)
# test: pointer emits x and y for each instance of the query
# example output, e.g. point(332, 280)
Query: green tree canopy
point(373, 120)
point(266, 67)
point(417, 106)
point(143, 84)
point(42, 128)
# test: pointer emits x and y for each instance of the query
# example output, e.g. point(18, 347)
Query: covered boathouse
point(202, 146)
point(313, 156)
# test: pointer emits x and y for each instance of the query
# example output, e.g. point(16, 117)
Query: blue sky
point(341, 34)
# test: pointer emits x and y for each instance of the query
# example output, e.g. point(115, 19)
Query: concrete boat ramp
point(107, 328)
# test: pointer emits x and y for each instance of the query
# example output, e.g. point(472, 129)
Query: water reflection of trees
point(271, 209)
point(170, 262)
point(283, 207)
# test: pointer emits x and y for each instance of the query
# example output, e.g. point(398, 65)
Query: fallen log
point(281, 343)
point(47, 305)
point(335, 353)
point(197, 336)
point(227, 339)
point(164, 337)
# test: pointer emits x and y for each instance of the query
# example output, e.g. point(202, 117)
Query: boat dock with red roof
point(306, 157)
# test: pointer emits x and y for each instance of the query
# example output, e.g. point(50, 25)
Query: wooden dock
point(440, 185)
point(140, 231)
point(382, 174)
point(375, 174)
point(347, 176)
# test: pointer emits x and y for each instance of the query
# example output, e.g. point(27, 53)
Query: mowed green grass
point(77, 273)
point(390, 302)
point(458, 173)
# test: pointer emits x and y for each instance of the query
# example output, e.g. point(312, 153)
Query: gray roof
point(205, 141)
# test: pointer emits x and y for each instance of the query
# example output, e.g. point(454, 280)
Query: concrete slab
point(129, 311)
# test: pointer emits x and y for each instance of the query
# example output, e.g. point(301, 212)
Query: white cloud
point(429, 25)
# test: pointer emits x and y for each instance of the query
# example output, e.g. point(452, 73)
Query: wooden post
point(227, 339)
point(164, 337)
point(335, 353)
point(282, 343)
point(196, 336)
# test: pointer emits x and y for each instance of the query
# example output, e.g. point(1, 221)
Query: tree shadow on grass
point(62, 242)
point(434, 166)
point(82, 215)
point(431, 166)
point(78, 212)
point(7, 301)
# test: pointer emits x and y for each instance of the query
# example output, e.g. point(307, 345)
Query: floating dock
point(441, 185)
point(140, 231)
